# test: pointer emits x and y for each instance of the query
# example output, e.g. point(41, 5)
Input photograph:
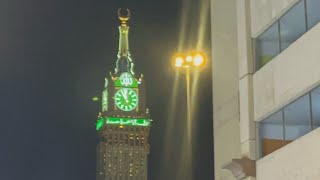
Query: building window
point(272, 127)
point(291, 122)
point(272, 133)
point(297, 118)
point(315, 107)
point(287, 29)
point(267, 45)
point(292, 25)
point(313, 13)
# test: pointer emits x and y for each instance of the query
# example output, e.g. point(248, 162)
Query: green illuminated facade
point(124, 121)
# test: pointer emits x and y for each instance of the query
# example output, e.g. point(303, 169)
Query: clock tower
point(124, 121)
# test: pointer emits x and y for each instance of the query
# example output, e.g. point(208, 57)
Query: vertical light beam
point(183, 23)
point(189, 126)
point(203, 19)
point(169, 130)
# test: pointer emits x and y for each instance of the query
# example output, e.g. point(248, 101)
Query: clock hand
point(125, 92)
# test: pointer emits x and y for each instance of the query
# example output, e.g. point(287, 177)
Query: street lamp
point(194, 60)
point(187, 62)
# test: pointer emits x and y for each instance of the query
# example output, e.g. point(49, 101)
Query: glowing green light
point(128, 121)
point(105, 100)
point(95, 99)
point(126, 99)
point(126, 80)
point(99, 124)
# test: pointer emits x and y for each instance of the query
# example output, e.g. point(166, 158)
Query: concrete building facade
point(266, 89)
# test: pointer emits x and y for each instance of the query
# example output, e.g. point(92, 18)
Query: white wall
point(289, 75)
point(298, 160)
point(246, 69)
point(225, 85)
point(265, 12)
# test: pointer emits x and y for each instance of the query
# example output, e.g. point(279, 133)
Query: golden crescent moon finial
point(123, 18)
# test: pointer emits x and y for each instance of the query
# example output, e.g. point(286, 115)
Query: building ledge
point(241, 168)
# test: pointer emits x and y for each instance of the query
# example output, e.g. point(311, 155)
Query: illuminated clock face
point(126, 99)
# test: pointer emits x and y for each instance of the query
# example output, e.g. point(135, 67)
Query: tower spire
point(124, 62)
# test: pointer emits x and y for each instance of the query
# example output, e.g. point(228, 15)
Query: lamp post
point(189, 61)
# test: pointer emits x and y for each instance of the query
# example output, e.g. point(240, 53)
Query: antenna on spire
point(124, 18)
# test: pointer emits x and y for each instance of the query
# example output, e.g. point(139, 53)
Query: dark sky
point(54, 55)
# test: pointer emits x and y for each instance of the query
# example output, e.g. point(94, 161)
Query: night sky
point(54, 55)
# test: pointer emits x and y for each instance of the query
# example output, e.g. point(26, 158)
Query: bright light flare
point(189, 59)
point(199, 60)
point(178, 61)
